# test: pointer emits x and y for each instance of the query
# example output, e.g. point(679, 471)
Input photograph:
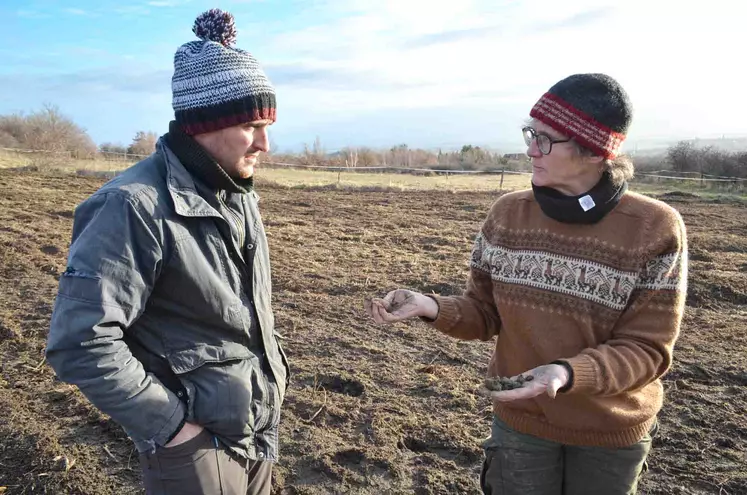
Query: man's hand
point(399, 305)
point(547, 379)
point(187, 433)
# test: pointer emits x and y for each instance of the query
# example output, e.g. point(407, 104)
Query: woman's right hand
point(399, 305)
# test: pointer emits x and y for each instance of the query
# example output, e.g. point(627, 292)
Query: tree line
point(686, 157)
point(468, 157)
point(49, 129)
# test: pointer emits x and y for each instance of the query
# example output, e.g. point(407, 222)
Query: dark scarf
point(201, 165)
point(568, 209)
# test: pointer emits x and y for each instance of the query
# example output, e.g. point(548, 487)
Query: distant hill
point(645, 147)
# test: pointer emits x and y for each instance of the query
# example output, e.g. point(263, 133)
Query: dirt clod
point(501, 383)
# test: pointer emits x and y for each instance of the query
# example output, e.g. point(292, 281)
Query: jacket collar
point(188, 201)
point(201, 165)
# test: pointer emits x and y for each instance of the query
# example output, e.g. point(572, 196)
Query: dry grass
point(371, 182)
point(303, 178)
point(300, 178)
point(11, 160)
point(62, 162)
point(705, 189)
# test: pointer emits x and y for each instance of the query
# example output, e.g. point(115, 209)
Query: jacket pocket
point(187, 360)
point(224, 387)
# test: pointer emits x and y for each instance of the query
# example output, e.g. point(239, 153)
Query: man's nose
point(261, 140)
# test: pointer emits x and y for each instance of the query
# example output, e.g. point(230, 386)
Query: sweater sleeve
point(474, 314)
point(640, 349)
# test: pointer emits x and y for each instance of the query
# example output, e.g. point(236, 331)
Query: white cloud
point(80, 12)
point(31, 14)
point(437, 73)
point(135, 10)
point(676, 60)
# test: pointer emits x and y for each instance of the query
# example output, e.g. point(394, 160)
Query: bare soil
point(371, 409)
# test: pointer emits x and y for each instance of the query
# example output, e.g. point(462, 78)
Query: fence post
point(338, 176)
point(503, 170)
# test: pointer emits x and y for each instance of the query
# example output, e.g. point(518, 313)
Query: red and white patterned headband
point(589, 133)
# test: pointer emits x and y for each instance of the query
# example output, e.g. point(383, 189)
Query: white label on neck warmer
point(586, 203)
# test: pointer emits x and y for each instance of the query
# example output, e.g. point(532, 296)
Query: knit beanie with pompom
point(215, 85)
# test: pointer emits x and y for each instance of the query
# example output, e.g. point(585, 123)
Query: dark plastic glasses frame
point(544, 142)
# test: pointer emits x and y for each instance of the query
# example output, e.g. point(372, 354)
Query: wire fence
point(106, 155)
point(658, 176)
point(393, 168)
point(655, 177)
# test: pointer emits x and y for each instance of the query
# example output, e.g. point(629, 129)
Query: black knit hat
point(592, 108)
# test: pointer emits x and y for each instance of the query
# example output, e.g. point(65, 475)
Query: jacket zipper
point(235, 218)
point(264, 415)
point(268, 412)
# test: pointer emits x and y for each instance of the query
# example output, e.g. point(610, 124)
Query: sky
point(427, 73)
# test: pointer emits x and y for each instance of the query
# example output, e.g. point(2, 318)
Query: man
point(163, 316)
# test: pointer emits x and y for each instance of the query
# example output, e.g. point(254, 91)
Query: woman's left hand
point(548, 379)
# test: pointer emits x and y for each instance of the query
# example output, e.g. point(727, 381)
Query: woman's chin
point(539, 178)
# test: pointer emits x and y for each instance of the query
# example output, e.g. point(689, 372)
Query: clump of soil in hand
point(396, 304)
point(500, 383)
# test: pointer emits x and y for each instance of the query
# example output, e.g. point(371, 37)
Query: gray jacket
point(156, 315)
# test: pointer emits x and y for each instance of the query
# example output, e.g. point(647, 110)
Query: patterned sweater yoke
point(606, 298)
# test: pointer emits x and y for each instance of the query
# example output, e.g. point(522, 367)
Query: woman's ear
point(594, 161)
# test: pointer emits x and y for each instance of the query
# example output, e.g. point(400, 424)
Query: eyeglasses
point(544, 142)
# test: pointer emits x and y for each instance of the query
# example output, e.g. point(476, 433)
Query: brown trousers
point(203, 466)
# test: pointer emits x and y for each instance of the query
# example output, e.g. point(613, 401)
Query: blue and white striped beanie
point(214, 85)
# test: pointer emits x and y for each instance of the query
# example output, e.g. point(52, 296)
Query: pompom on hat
point(592, 108)
point(214, 85)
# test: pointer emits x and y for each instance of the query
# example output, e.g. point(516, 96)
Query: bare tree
point(144, 143)
point(368, 157)
point(47, 129)
point(113, 148)
point(7, 140)
point(318, 149)
point(350, 156)
point(681, 157)
point(686, 157)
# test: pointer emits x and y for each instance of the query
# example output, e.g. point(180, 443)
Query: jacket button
point(179, 393)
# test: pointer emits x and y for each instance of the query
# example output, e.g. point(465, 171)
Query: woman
point(583, 283)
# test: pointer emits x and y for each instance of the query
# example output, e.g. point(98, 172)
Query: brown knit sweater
point(607, 298)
